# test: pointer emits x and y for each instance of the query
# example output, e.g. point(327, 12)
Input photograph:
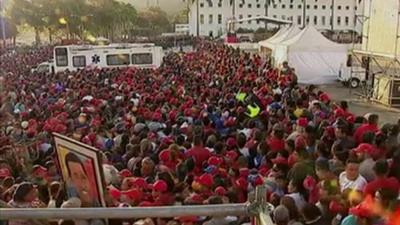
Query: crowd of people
point(207, 127)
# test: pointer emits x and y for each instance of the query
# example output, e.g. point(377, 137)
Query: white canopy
point(315, 59)
point(282, 35)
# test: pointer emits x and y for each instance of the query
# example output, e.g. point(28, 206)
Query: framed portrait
point(81, 170)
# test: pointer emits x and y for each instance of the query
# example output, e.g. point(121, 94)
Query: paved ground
point(359, 105)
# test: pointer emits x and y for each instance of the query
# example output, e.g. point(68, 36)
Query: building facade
point(210, 17)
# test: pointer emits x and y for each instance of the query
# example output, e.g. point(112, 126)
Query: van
point(44, 67)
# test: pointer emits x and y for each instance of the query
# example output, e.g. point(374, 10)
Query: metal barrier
point(124, 213)
point(257, 206)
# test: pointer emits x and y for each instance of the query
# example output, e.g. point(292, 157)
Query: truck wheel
point(354, 83)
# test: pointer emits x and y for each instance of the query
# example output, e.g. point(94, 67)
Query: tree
point(155, 20)
point(181, 17)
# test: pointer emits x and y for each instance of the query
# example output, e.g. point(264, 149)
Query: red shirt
point(276, 144)
point(387, 182)
point(199, 155)
point(358, 135)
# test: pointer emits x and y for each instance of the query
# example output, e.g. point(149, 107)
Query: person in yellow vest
point(253, 109)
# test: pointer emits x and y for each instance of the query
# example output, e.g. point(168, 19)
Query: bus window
point(118, 60)
point(142, 58)
point(61, 56)
point(79, 61)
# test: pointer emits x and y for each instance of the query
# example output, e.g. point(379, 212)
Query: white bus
point(73, 57)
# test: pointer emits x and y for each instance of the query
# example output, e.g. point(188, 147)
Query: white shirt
point(357, 184)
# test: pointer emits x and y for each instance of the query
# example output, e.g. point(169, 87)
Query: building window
point(201, 5)
point(308, 19)
point(339, 20)
point(331, 21)
point(249, 6)
point(274, 16)
point(79, 61)
point(315, 6)
point(299, 20)
point(240, 5)
point(339, 7)
point(258, 21)
point(315, 20)
point(308, 6)
point(210, 4)
point(219, 4)
point(201, 19)
point(355, 8)
point(275, 5)
point(299, 6)
point(258, 5)
point(323, 20)
point(346, 21)
point(347, 7)
point(324, 7)
point(240, 17)
point(219, 18)
point(291, 6)
point(210, 19)
point(249, 16)
point(283, 6)
point(283, 17)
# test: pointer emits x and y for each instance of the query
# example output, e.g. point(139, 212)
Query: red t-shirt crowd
point(207, 127)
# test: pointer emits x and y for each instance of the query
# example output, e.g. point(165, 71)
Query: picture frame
point(81, 171)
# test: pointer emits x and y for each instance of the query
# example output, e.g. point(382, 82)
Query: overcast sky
point(170, 6)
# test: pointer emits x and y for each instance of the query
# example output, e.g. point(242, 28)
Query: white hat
point(24, 124)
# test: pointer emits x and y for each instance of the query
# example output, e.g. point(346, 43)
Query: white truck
point(44, 67)
point(352, 76)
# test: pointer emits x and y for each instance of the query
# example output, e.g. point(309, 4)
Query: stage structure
point(379, 53)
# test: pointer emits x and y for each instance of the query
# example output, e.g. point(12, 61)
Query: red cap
point(280, 160)
point(214, 160)
point(258, 181)
point(339, 112)
point(4, 172)
point(324, 97)
point(302, 122)
point(196, 198)
point(361, 210)
point(205, 180)
point(157, 116)
point(125, 173)
point(133, 194)
point(160, 186)
point(232, 155)
point(231, 142)
point(39, 170)
point(221, 191)
point(164, 156)
point(365, 148)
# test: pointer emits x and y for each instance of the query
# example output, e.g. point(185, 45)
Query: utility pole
point(266, 12)
point(304, 13)
point(3, 24)
point(332, 14)
point(197, 19)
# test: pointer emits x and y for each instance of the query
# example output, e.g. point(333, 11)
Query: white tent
point(266, 42)
point(282, 35)
point(315, 59)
